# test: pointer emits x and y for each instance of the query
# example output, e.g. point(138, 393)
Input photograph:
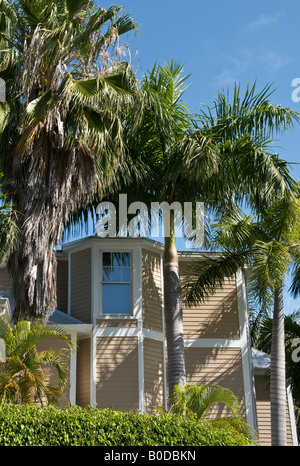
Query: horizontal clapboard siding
point(117, 323)
point(152, 291)
point(62, 285)
point(217, 317)
point(153, 375)
point(263, 406)
point(216, 366)
point(117, 373)
point(83, 388)
point(81, 285)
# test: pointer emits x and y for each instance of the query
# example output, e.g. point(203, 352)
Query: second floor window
point(116, 283)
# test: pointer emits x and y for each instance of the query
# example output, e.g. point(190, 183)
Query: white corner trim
point(247, 363)
point(141, 373)
point(93, 366)
point(73, 370)
point(128, 332)
point(211, 343)
point(153, 335)
point(137, 285)
point(292, 415)
point(96, 265)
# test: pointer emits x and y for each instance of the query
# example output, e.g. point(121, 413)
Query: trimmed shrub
point(75, 426)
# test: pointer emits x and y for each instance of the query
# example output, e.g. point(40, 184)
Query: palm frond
point(251, 113)
point(206, 275)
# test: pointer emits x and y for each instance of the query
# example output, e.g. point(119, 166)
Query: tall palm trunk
point(173, 313)
point(278, 375)
point(49, 184)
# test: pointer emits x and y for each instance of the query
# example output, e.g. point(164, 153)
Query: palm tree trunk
point(173, 314)
point(278, 375)
point(48, 185)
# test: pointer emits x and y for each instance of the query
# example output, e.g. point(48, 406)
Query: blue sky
point(220, 42)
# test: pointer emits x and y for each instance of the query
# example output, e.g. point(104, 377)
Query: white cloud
point(226, 77)
point(236, 66)
point(264, 20)
point(248, 60)
point(274, 61)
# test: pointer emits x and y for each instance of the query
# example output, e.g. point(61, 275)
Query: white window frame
point(103, 315)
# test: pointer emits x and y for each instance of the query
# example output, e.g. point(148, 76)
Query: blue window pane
point(126, 274)
point(116, 258)
point(126, 259)
point(116, 274)
point(106, 274)
point(116, 298)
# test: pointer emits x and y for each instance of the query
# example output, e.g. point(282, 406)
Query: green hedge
point(75, 426)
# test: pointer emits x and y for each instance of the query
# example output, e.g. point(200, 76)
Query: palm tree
point(269, 246)
point(200, 399)
point(23, 378)
point(263, 339)
point(193, 400)
point(60, 132)
point(163, 141)
point(215, 159)
point(8, 228)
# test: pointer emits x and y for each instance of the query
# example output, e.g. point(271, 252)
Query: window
point(116, 283)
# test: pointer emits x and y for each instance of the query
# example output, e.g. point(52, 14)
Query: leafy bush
point(75, 426)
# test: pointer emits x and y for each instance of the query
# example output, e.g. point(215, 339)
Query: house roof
point(7, 305)
point(261, 361)
point(61, 318)
point(70, 323)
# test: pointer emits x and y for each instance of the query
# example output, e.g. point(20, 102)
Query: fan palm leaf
point(61, 135)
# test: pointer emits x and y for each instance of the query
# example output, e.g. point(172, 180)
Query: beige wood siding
point(152, 291)
point(117, 323)
point(5, 279)
point(83, 372)
point(216, 366)
point(263, 407)
point(62, 285)
point(217, 317)
point(51, 373)
point(117, 373)
point(153, 375)
point(81, 285)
